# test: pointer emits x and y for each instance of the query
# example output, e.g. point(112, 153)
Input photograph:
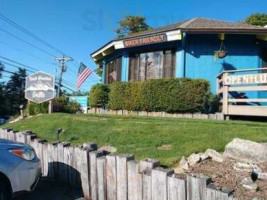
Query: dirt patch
point(165, 147)
point(224, 175)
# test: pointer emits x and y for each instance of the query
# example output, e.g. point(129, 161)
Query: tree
point(131, 25)
point(258, 19)
point(15, 91)
point(2, 93)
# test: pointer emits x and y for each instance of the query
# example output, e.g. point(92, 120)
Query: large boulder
point(247, 151)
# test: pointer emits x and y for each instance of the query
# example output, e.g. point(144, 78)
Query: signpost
point(40, 87)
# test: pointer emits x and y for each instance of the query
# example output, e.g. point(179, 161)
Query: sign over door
point(40, 87)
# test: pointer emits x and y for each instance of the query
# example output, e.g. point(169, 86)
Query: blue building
point(195, 48)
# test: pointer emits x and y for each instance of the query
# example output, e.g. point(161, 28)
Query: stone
point(108, 149)
point(248, 184)
point(193, 159)
point(203, 156)
point(247, 151)
point(184, 163)
point(262, 176)
point(214, 155)
point(243, 167)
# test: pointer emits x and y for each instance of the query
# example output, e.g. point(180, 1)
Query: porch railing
point(233, 86)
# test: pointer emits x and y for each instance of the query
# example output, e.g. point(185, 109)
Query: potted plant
point(221, 53)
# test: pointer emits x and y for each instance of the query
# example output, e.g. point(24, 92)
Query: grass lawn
point(143, 136)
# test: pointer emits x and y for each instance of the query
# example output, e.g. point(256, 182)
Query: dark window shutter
point(118, 64)
point(168, 65)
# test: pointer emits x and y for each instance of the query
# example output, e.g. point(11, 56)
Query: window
point(113, 71)
point(152, 65)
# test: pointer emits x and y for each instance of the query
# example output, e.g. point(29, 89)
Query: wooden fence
point(232, 83)
point(215, 116)
point(104, 176)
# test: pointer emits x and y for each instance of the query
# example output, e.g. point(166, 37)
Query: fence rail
point(104, 176)
point(237, 81)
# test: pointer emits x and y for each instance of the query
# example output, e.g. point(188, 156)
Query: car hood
point(7, 144)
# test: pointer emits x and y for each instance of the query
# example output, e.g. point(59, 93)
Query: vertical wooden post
point(147, 185)
point(225, 95)
point(85, 173)
point(111, 177)
point(160, 183)
point(134, 181)
point(93, 173)
point(148, 164)
point(196, 187)
point(176, 188)
point(50, 107)
point(101, 178)
point(122, 193)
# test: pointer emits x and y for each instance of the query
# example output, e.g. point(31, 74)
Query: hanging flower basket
point(220, 54)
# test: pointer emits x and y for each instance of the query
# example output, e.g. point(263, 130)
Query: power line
point(18, 38)
point(15, 66)
point(6, 19)
point(26, 66)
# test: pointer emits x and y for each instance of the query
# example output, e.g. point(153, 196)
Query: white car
point(20, 169)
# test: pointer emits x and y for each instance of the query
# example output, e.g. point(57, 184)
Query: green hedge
point(99, 96)
point(170, 95)
point(35, 109)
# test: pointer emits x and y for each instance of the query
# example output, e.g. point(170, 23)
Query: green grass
point(142, 136)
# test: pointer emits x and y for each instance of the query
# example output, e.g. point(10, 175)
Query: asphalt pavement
point(52, 190)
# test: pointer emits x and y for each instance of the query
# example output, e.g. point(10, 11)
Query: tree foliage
point(131, 25)
point(258, 19)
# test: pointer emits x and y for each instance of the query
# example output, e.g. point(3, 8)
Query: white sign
point(40, 87)
point(245, 79)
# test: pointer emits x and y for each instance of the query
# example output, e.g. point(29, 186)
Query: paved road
point(51, 190)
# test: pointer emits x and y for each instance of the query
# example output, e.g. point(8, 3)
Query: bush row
point(170, 95)
point(60, 104)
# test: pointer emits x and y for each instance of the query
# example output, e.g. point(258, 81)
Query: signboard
point(145, 40)
point(40, 87)
point(82, 100)
point(245, 79)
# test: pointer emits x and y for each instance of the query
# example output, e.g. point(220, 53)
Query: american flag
point(83, 73)
point(113, 75)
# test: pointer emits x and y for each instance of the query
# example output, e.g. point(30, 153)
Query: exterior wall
point(243, 53)
point(194, 56)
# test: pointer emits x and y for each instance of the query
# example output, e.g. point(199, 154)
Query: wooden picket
point(103, 176)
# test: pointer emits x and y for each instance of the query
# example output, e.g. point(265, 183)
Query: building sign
point(246, 79)
point(145, 40)
point(40, 87)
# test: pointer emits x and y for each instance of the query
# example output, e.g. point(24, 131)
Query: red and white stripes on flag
point(83, 74)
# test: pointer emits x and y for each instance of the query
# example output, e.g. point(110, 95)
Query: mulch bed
point(224, 175)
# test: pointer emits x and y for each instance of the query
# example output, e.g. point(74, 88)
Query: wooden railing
point(239, 82)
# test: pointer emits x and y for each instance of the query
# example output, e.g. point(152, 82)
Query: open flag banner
point(83, 73)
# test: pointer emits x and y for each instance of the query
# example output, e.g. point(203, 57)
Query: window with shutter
point(152, 65)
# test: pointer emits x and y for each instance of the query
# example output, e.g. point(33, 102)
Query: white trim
point(174, 35)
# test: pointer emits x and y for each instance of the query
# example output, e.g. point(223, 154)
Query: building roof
point(197, 25)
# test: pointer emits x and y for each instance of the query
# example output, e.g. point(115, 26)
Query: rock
point(89, 146)
point(183, 163)
point(203, 156)
point(256, 168)
point(243, 167)
point(247, 151)
point(262, 176)
point(214, 155)
point(108, 149)
point(193, 159)
point(248, 184)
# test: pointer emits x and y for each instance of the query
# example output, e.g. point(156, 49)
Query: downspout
point(103, 71)
point(180, 59)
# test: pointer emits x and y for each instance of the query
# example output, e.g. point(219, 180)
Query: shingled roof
point(199, 25)
point(195, 25)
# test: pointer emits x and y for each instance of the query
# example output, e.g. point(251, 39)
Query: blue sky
point(79, 27)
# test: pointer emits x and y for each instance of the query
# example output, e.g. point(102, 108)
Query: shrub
point(170, 95)
point(63, 104)
point(98, 96)
point(35, 109)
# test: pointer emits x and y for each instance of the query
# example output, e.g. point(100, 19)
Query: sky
point(79, 27)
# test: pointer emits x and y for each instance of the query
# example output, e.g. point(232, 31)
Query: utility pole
point(63, 68)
